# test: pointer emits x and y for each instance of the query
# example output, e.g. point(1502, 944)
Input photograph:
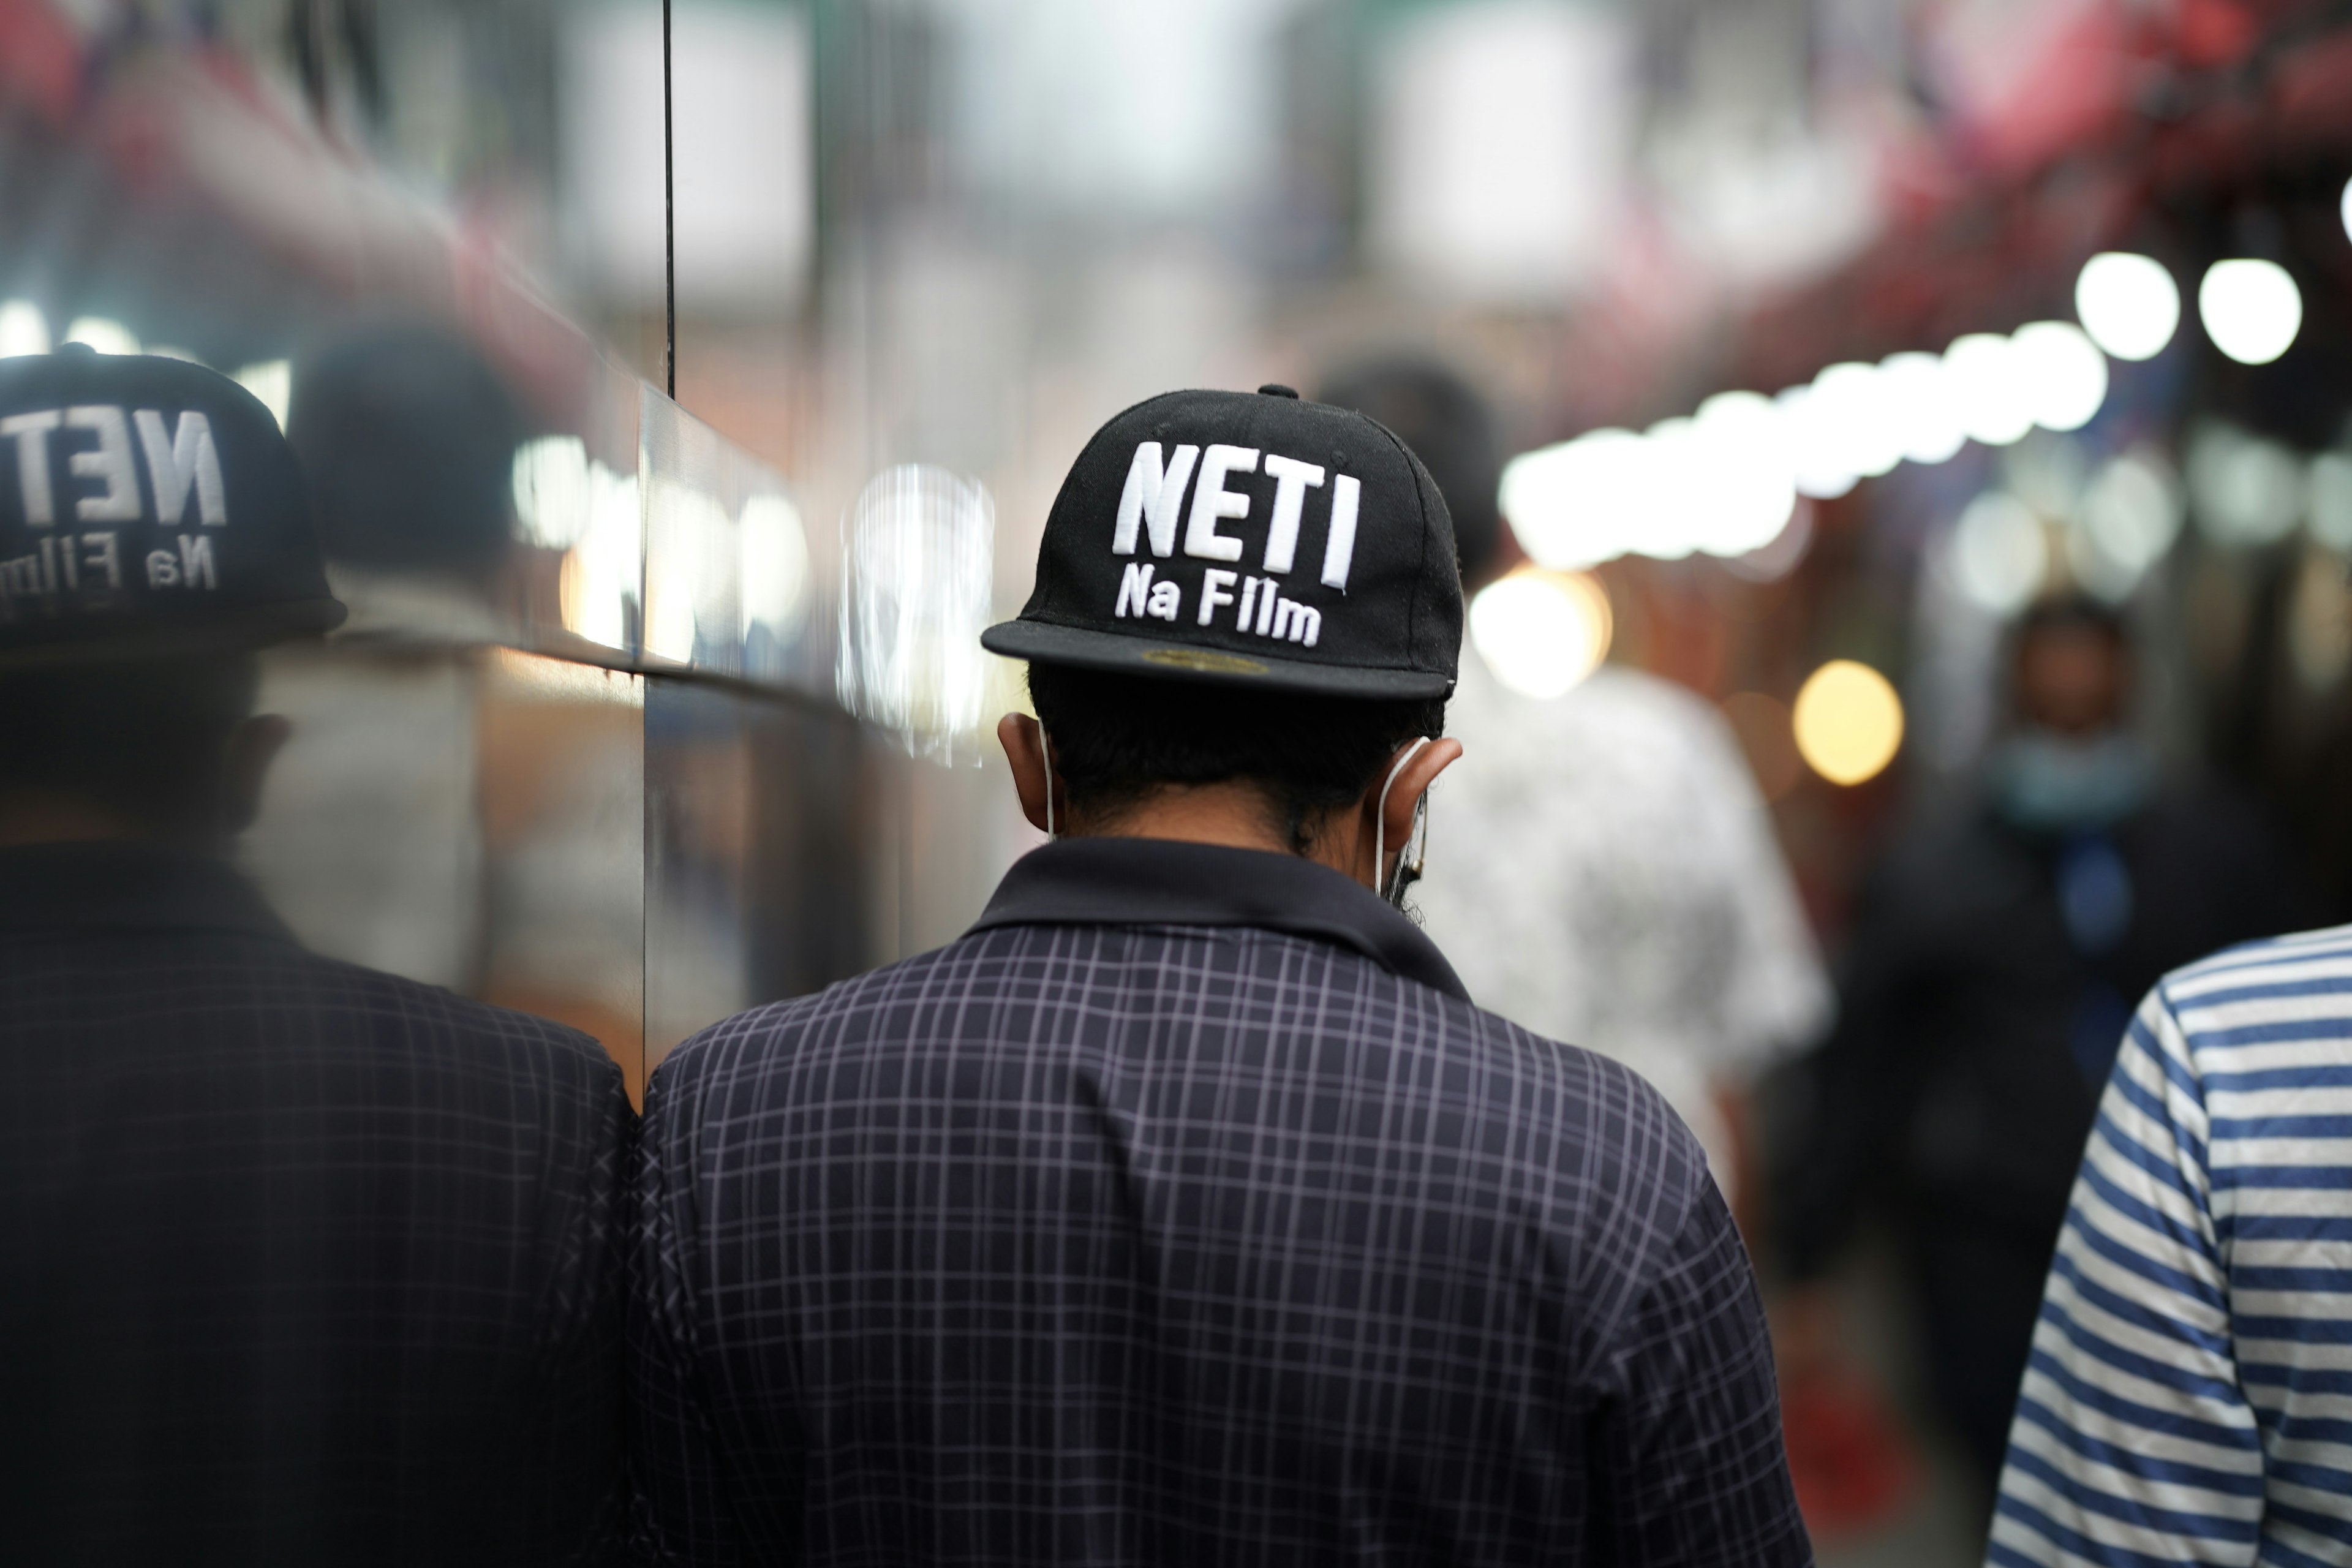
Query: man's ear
point(253, 745)
point(1412, 784)
point(1024, 748)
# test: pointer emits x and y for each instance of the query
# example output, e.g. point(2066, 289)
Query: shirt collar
point(117, 885)
point(1160, 881)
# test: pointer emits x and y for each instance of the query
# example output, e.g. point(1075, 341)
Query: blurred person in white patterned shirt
point(1608, 874)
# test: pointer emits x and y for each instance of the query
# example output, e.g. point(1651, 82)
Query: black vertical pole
point(669, 216)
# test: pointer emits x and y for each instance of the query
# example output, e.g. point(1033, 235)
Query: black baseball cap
point(147, 506)
point(1250, 539)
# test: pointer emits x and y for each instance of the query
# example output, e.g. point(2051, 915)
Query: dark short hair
point(1449, 428)
point(143, 738)
point(1118, 739)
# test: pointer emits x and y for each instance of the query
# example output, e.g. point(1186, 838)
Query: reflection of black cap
point(1248, 540)
point(147, 504)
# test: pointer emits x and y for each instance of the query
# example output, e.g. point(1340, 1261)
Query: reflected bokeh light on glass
point(1542, 632)
point(602, 571)
point(271, 381)
point(107, 336)
point(917, 564)
point(22, 329)
point(2128, 303)
point(775, 575)
point(1848, 722)
point(698, 554)
point(2251, 307)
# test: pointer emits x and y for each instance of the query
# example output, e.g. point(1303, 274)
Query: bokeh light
point(271, 381)
point(2061, 374)
point(1849, 410)
point(1848, 722)
point(1813, 447)
point(2000, 556)
point(2243, 490)
point(1572, 505)
point(1983, 373)
point(1542, 632)
point(2251, 307)
point(2129, 304)
point(2132, 511)
point(1746, 487)
point(22, 329)
point(2345, 207)
point(103, 334)
point(2330, 519)
point(1921, 404)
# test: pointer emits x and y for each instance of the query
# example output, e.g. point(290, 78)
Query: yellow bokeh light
point(1848, 720)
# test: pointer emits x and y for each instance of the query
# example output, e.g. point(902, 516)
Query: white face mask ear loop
point(1047, 749)
point(1380, 814)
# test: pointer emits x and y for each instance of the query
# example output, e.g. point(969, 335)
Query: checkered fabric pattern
point(304, 1264)
point(1142, 1243)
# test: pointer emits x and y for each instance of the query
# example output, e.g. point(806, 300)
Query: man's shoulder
point(1475, 1063)
point(2275, 993)
point(409, 1009)
point(270, 993)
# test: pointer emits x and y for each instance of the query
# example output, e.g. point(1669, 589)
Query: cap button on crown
point(1276, 389)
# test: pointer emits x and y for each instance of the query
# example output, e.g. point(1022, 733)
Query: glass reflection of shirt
point(306, 1263)
point(1601, 869)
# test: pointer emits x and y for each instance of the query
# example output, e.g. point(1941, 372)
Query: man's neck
point(1231, 814)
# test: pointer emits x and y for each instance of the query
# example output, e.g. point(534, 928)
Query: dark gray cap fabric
point(1251, 538)
point(147, 505)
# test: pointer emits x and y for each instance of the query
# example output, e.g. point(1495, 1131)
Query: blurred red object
point(40, 59)
point(1855, 1466)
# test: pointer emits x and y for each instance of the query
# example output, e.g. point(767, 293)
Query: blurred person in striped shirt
point(2188, 1398)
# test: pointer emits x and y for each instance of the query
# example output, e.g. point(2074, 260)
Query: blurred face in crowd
point(2072, 679)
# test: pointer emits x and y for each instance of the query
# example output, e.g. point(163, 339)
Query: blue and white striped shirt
point(2189, 1396)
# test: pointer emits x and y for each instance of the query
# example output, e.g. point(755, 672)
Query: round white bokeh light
point(1541, 632)
point(1576, 503)
point(2061, 374)
point(2129, 304)
point(1815, 451)
point(2251, 307)
point(1985, 375)
point(1747, 490)
point(1921, 405)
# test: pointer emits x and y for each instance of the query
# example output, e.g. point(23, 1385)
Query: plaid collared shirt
point(1185, 1211)
point(300, 1263)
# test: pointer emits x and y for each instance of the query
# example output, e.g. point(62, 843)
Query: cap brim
point(1042, 642)
point(100, 642)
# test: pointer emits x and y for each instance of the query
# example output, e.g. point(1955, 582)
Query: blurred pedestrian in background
point(2185, 1402)
point(306, 1263)
point(1608, 872)
point(1982, 996)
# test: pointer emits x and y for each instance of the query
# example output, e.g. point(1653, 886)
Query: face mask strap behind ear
point(1047, 750)
point(1381, 822)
